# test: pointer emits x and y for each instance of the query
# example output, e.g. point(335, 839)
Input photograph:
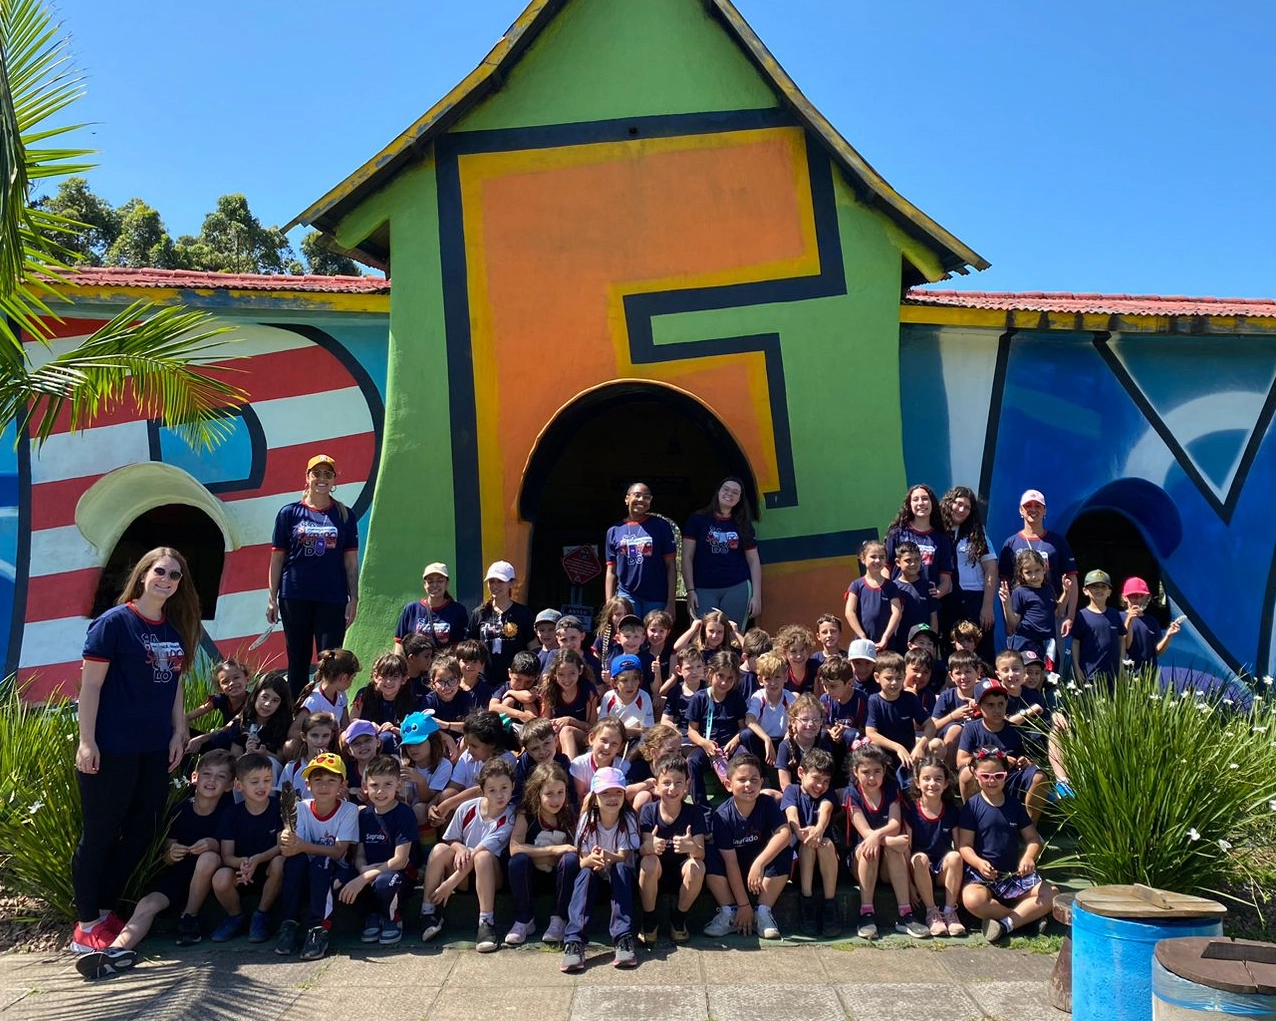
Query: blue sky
point(1089, 146)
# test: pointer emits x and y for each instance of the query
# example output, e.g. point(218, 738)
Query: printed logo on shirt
point(164, 658)
point(436, 626)
point(722, 540)
point(637, 547)
point(315, 540)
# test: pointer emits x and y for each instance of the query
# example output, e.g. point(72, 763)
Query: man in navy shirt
point(1061, 566)
point(641, 556)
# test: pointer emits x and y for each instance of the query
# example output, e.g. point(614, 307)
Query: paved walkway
point(736, 980)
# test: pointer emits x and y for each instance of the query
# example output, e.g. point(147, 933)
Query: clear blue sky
point(1087, 146)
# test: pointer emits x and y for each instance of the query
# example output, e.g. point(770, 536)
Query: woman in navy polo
point(132, 719)
point(720, 563)
point(314, 571)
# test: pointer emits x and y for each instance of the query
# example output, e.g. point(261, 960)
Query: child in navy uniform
point(681, 688)
point(930, 817)
point(1026, 782)
point(806, 731)
point(955, 705)
point(808, 806)
point(1147, 641)
point(874, 606)
point(249, 836)
point(714, 721)
point(895, 716)
point(673, 838)
point(1099, 636)
point(915, 598)
point(543, 852)
point(1031, 606)
point(447, 700)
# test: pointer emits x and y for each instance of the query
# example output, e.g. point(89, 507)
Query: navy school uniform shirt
point(1100, 636)
point(368, 704)
point(1036, 608)
point(523, 767)
point(640, 551)
point(718, 721)
point(877, 816)
point(314, 544)
point(746, 836)
point(689, 815)
point(448, 625)
point(677, 702)
point(898, 721)
point(1054, 550)
point(936, 549)
point(807, 684)
point(974, 735)
point(948, 701)
point(808, 808)
point(381, 834)
point(996, 829)
point(221, 706)
point(251, 834)
point(648, 659)
point(187, 826)
point(1027, 697)
point(144, 663)
point(874, 606)
point(853, 712)
point(931, 837)
point(1145, 636)
point(503, 634)
point(789, 755)
point(720, 550)
point(455, 711)
point(578, 708)
point(918, 606)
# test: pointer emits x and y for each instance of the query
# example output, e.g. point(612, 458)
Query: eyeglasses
point(167, 572)
point(446, 682)
point(991, 777)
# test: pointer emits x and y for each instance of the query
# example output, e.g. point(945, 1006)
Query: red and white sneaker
point(114, 924)
point(92, 941)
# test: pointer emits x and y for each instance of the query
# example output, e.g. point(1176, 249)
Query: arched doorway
point(178, 525)
point(1107, 540)
point(575, 480)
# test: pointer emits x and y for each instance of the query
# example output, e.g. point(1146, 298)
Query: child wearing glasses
point(1002, 887)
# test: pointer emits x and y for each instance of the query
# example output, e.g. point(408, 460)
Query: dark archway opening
point(594, 449)
point(180, 526)
point(1107, 540)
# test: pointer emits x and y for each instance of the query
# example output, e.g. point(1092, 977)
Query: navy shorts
point(780, 865)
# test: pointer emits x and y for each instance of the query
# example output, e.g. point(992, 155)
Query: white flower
point(1267, 679)
point(1228, 701)
point(1155, 698)
point(1233, 765)
point(1258, 730)
point(1192, 834)
point(1272, 805)
point(35, 807)
point(1225, 845)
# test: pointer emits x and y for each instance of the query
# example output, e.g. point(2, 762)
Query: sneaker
point(485, 939)
point(953, 921)
point(259, 927)
point(910, 926)
point(391, 933)
point(625, 957)
point(519, 933)
point(679, 934)
point(809, 916)
point(431, 926)
point(554, 931)
point(104, 963)
point(114, 923)
point(573, 956)
point(188, 933)
point(993, 930)
point(316, 944)
point(935, 922)
point(90, 941)
point(764, 923)
point(371, 929)
point(831, 918)
point(868, 926)
point(289, 941)
point(231, 927)
point(721, 923)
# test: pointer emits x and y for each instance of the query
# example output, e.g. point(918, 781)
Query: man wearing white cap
point(1061, 566)
point(502, 625)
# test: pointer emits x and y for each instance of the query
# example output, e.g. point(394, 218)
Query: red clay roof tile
point(110, 276)
point(1100, 304)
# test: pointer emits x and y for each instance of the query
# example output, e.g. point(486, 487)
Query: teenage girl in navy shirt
point(918, 521)
point(132, 733)
point(437, 616)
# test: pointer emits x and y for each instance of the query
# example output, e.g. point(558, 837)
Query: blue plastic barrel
point(1112, 962)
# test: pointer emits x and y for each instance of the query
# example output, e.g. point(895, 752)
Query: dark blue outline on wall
point(639, 308)
point(995, 402)
point(22, 555)
point(256, 443)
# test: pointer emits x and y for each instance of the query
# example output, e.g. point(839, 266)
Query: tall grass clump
point(1172, 789)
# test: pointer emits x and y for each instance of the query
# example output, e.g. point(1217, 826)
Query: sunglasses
point(991, 777)
point(323, 474)
point(167, 572)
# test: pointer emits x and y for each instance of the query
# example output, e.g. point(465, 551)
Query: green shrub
point(1169, 790)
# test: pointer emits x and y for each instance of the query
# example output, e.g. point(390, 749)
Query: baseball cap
point(319, 459)
point(1032, 496)
point(567, 620)
point(609, 778)
point(1029, 656)
point(630, 619)
point(435, 568)
point(922, 629)
point(626, 662)
point(359, 728)
point(863, 648)
point(1098, 578)
point(988, 686)
point(327, 761)
point(1134, 587)
point(502, 570)
point(416, 728)
point(548, 617)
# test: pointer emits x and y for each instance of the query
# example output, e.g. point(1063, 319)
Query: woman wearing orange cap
point(314, 571)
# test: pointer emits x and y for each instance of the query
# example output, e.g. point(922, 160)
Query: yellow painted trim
point(326, 301)
point(1085, 322)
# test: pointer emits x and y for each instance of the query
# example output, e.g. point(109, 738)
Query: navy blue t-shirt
point(503, 634)
point(948, 701)
point(974, 735)
point(455, 711)
point(996, 829)
point(1100, 637)
point(873, 606)
point(936, 548)
point(188, 827)
point(853, 797)
point(746, 836)
point(918, 606)
point(448, 625)
point(789, 755)
point(639, 551)
point(1054, 550)
point(648, 660)
point(251, 834)
point(677, 702)
point(689, 815)
point(523, 767)
point(314, 544)
point(718, 721)
point(1036, 608)
point(1145, 636)
point(720, 547)
point(898, 721)
point(853, 712)
point(807, 684)
point(144, 663)
point(931, 837)
point(381, 834)
point(808, 808)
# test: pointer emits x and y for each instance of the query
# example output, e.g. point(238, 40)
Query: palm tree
point(158, 356)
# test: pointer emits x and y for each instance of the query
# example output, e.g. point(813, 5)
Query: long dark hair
point(904, 519)
point(972, 529)
point(741, 515)
point(274, 731)
point(181, 609)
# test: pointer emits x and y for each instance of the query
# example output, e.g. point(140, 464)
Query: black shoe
point(188, 933)
point(485, 941)
point(316, 944)
point(809, 917)
point(289, 941)
point(104, 963)
point(831, 918)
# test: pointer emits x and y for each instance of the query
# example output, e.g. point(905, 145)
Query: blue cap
point(416, 728)
point(988, 686)
point(624, 662)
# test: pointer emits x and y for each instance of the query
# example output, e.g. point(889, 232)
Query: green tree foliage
point(142, 240)
point(324, 262)
point(93, 223)
point(233, 240)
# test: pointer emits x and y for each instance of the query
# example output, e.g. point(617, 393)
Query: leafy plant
point(1169, 788)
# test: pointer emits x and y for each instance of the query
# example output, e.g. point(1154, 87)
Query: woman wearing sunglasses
point(132, 720)
point(314, 571)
